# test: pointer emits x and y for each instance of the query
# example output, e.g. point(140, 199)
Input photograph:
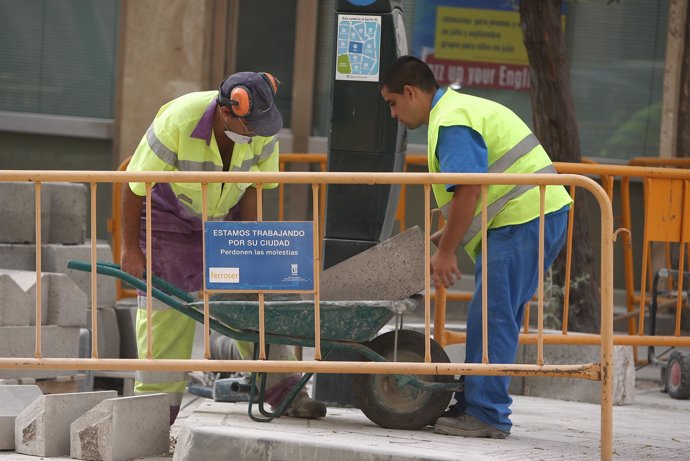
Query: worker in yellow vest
point(467, 134)
point(231, 129)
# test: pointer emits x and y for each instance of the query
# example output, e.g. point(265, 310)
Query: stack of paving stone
point(87, 425)
point(65, 294)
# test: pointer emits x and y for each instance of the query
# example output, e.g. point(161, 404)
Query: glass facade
point(616, 55)
point(58, 57)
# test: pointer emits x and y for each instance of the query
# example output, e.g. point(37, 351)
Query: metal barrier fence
point(601, 371)
point(642, 169)
point(665, 220)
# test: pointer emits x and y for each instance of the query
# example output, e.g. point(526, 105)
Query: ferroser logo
point(224, 274)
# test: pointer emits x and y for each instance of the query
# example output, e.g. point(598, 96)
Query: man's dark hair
point(408, 70)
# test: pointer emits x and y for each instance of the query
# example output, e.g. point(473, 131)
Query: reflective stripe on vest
point(266, 152)
point(524, 147)
point(493, 209)
point(175, 142)
point(511, 148)
point(156, 304)
point(171, 158)
point(150, 377)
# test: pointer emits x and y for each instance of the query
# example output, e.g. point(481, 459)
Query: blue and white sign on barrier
point(249, 255)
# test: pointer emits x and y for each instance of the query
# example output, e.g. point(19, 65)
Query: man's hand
point(133, 261)
point(132, 258)
point(444, 263)
point(444, 269)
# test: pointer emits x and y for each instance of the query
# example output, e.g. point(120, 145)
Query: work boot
point(304, 406)
point(468, 426)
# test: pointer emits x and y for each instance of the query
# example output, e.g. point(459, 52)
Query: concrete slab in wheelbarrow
point(391, 270)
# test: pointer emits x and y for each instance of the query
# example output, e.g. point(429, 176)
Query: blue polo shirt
point(460, 149)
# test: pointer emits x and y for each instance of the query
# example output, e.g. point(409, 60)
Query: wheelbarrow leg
point(261, 400)
point(258, 399)
point(256, 376)
point(287, 400)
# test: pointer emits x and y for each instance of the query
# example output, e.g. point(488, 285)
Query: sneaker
point(468, 426)
point(304, 406)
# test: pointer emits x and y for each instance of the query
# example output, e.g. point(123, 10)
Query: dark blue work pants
point(513, 260)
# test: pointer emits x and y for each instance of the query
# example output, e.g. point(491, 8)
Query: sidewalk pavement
point(654, 427)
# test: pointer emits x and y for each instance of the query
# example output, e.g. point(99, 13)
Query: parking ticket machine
point(369, 36)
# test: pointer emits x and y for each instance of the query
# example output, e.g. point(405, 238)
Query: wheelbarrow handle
point(178, 299)
point(160, 290)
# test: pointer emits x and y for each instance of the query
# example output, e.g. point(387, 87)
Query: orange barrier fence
point(667, 225)
point(664, 220)
point(662, 226)
point(601, 371)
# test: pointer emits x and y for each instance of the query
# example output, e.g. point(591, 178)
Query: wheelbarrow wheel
point(391, 406)
point(678, 375)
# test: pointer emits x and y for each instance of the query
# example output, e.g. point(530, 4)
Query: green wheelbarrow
point(391, 401)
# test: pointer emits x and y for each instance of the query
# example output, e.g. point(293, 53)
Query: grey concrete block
point(581, 390)
point(108, 332)
point(55, 341)
point(62, 302)
point(393, 269)
point(56, 257)
point(126, 312)
point(68, 212)
point(121, 429)
point(18, 256)
point(13, 400)
point(18, 301)
point(24, 375)
point(42, 429)
point(67, 304)
point(63, 213)
point(18, 212)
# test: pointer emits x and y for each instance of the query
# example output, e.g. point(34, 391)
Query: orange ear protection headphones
point(240, 101)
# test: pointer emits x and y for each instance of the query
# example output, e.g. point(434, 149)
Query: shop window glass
point(616, 55)
point(58, 56)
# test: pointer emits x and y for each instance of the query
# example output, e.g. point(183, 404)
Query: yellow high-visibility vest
point(168, 145)
point(512, 148)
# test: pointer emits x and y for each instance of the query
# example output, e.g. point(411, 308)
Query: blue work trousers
point(513, 279)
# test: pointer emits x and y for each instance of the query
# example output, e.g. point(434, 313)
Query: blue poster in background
point(259, 255)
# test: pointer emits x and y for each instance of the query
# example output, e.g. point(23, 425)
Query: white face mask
point(235, 137)
point(238, 138)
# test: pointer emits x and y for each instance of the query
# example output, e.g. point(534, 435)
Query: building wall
point(164, 53)
point(165, 49)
